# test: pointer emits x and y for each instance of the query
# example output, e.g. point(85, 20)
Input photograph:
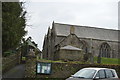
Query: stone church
point(65, 41)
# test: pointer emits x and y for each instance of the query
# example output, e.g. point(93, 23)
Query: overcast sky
point(94, 13)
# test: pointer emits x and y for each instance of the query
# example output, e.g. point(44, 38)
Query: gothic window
point(105, 50)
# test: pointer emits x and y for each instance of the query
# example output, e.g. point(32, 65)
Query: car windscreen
point(85, 73)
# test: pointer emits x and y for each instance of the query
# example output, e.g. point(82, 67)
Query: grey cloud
point(99, 14)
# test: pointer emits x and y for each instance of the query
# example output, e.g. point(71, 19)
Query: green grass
point(44, 60)
point(108, 60)
point(23, 58)
point(60, 61)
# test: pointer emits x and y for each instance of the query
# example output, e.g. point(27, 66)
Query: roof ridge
point(86, 26)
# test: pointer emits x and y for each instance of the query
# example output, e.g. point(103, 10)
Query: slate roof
point(87, 32)
point(69, 47)
point(31, 44)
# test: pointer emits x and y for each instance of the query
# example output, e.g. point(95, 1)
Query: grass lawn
point(108, 60)
point(23, 58)
point(111, 61)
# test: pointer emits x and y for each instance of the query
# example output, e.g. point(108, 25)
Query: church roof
point(69, 47)
point(87, 32)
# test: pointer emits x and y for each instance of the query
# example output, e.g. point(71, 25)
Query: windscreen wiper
point(78, 77)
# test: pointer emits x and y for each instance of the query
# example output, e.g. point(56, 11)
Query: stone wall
point(63, 70)
point(72, 40)
point(70, 55)
point(10, 61)
point(30, 67)
point(96, 43)
point(53, 42)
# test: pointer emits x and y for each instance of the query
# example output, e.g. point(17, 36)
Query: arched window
point(105, 50)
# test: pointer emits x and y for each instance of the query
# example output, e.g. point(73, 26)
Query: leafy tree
point(24, 47)
point(13, 25)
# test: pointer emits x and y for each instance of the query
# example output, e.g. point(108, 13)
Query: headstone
point(99, 59)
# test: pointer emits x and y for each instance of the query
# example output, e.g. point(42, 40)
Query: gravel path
point(16, 72)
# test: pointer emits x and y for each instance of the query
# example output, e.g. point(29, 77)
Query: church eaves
point(69, 47)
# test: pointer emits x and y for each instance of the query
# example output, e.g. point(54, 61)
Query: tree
point(13, 25)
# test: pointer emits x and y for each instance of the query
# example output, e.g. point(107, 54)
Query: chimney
point(72, 30)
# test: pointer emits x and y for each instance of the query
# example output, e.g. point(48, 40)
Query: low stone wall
point(65, 70)
point(30, 67)
point(62, 70)
point(10, 61)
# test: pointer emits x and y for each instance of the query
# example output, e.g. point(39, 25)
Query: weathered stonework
point(30, 66)
point(65, 70)
point(70, 55)
point(98, 41)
